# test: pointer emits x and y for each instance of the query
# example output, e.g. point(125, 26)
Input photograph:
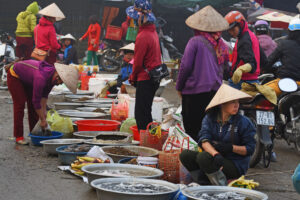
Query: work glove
point(112, 83)
point(223, 148)
point(104, 91)
point(218, 160)
point(237, 75)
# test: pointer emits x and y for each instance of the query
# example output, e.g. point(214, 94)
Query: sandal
point(22, 142)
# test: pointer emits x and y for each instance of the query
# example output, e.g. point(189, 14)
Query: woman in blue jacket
point(226, 138)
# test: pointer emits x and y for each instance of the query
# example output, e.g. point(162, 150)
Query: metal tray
point(66, 105)
point(90, 109)
point(90, 141)
point(97, 105)
point(89, 115)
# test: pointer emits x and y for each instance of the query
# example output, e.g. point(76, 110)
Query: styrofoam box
point(98, 83)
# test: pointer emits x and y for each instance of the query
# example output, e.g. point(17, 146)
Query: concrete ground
point(27, 173)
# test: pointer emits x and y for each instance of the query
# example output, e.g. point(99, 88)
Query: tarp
point(193, 3)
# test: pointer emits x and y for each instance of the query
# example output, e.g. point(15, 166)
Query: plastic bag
point(182, 139)
point(119, 111)
point(125, 127)
point(60, 124)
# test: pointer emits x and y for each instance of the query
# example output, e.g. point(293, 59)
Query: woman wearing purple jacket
point(265, 40)
point(202, 67)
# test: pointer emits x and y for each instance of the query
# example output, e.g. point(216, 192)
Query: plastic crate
point(113, 33)
point(131, 33)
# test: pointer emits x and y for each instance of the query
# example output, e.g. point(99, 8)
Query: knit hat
point(52, 10)
point(69, 75)
point(129, 47)
point(141, 6)
point(207, 19)
point(226, 94)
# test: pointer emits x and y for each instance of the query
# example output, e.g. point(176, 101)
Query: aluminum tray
point(85, 115)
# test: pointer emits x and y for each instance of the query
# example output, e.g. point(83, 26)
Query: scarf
point(218, 44)
point(67, 51)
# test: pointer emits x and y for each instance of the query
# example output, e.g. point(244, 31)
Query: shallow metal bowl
point(136, 170)
point(105, 194)
point(50, 146)
point(142, 151)
point(251, 194)
point(87, 134)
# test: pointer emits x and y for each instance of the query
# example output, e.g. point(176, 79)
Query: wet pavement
point(27, 173)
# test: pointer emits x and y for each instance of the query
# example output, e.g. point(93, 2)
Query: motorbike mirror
point(287, 85)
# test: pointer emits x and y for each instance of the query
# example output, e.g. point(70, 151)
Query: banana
point(82, 165)
point(88, 159)
point(81, 173)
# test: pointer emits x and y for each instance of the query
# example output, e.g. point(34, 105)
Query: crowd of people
point(209, 106)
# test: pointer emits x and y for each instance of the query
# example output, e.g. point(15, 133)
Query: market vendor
point(226, 138)
point(30, 82)
point(126, 70)
point(70, 52)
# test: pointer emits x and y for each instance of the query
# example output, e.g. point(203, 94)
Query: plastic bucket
point(35, 139)
point(135, 131)
point(148, 161)
point(98, 125)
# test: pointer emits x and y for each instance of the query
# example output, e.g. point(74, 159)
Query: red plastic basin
point(98, 125)
point(135, 131)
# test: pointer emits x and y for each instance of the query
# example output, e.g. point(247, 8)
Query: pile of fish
point(220, 196)
point(131, 187)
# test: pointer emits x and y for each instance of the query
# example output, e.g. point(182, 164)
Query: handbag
point(39, 54)
point(158, 73)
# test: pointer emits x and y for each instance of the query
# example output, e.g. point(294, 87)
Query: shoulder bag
point(37, 53)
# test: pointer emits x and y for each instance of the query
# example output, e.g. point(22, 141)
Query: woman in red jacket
point(93, 34)
point(147, 56)
point(44, 32)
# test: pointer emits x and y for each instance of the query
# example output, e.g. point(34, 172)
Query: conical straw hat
point(128, 47)
point(68, 36)
point(53, 11)
point(207, 19)
point(69, 75)
point(226, 94)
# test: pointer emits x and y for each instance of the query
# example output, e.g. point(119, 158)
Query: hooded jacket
point(247, 50)
point(26, 21)
point(45, 36)
point(267, 44)
point(287, 52)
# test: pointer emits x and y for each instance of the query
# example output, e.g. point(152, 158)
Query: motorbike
point(169, 50)
point(109, 57)
point(274, 122)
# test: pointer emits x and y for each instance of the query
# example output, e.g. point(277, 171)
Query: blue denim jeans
point(239, 85)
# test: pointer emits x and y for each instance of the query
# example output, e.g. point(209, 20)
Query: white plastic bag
point(97, 152)
point(182, 140)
